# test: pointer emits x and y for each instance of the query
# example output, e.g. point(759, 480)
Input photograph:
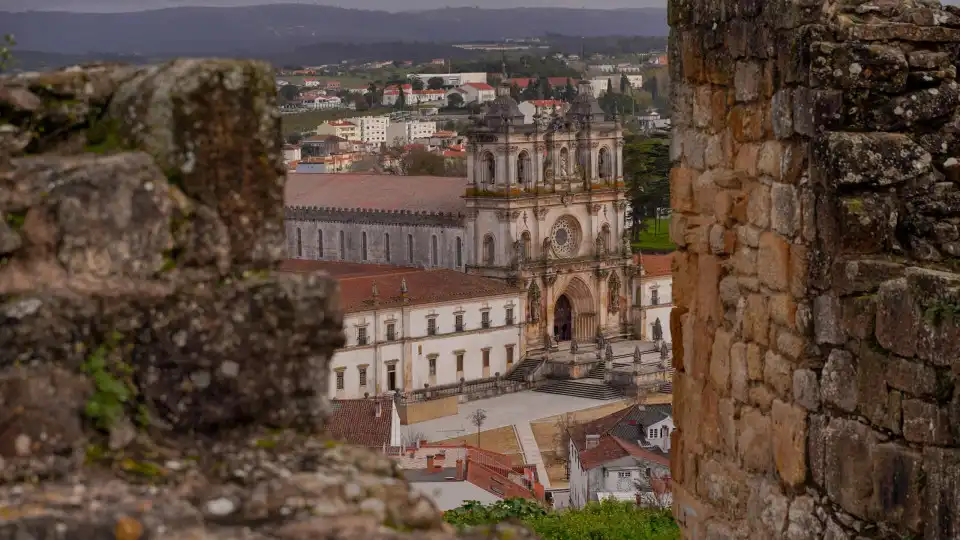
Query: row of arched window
point(388, 255)
point(525, 172)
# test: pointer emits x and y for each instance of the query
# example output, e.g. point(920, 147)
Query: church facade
point(542, 208)
point(545, 209)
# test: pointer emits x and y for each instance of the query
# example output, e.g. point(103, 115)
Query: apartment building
point(373, 129)
point(451, 79)
point(340, 128)
point(403, 133)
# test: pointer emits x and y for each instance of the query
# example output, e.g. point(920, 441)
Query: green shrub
point(608, 520)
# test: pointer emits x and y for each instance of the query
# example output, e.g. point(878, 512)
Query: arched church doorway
point(563, 319)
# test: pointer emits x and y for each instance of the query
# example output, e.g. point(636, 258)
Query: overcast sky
point(104, 6)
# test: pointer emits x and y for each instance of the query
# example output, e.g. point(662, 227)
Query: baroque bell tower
point(545, 211)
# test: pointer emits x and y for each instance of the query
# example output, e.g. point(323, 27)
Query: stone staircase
point(527, 366)
point(589, 387)
point(598, 371)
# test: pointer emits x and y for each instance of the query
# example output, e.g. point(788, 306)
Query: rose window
point(566, 236)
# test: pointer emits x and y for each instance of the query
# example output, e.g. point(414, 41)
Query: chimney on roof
point(403, 289)
point(592, 441)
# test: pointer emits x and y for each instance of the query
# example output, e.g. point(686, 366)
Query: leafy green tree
point(515, 91)
point(650, 85)
point(289, 92)
point(608, 520)
point(646, 168)
point(435, 83)
point(570, 91)
point(417, 83)
point(455, 100)
point(624, 83)
point(609, 85)
point(420, 162)
point(401, 99)
point(373, 95)
point(544, 90)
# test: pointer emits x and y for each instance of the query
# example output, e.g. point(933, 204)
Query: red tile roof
point(478, 85)
point(599, 426)
point(610, 448)
point(546, 102)
point(423, 286)
point(377, 192)
point(355, 421)
point(657, 265)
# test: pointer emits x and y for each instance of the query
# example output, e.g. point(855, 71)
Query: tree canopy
point(606, 520)
point(435, 83)
point(646, 168)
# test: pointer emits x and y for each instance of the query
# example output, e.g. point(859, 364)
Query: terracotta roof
point(600, 426)
point(610, 448)
point(657, 265)
point(377, 192)
point(423, 286)
point(478, 86)
point(343, 123)
point(355, 421)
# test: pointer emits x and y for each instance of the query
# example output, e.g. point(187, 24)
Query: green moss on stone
point(146, 469)
point(16, 219)
point(113, 388)
point(103, 137)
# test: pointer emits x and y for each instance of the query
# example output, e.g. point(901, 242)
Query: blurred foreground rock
point(157, 379)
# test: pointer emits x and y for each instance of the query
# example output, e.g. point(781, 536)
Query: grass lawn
point(656, 237)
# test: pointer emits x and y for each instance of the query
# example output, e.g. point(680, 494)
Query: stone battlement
point(816, 207)
point(157, 378)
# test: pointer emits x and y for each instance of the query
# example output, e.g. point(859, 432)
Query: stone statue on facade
point(601, 246)
point(574, 348)
point(609, 352)
point(625, 240)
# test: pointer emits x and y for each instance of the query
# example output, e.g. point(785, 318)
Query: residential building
point(323, 145)
point(373, 422)
point(479, 92)
point(391, 94)
point(451, 79)
point(636, 81)
point(332, 85)
point(659, 60)
point(340, 128)
point(605, 68)
point(291, 152)
point(452, 475)
point(652, 121)
point(372, 129)
point(403, 133)
point(599, 85)
point(653, 297)
point(311, 83)
point(333, 163)
point(543, 107)
point(407, 328)
point(412, 97)
point(620, 455)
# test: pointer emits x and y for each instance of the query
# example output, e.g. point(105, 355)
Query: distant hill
point(263, 31)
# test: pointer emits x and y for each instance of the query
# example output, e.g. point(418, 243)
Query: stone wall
point(817, 293)
point(157, 379)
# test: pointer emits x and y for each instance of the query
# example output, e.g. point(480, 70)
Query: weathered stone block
point(941, 469)
point(746, 80)
point(782, 113)
point(926, 423)
point(868, 222)
point(872, 384)
point(783, 309)
point(789, 442)
point(863, 275)
point(754, 362)
point(815, 111)
point(164, 120)
point(767, 509)
point(739, 376)
point(852, 66)
point(816, 447)
point(802, 521)
point(720, 361)
point(900, 32)
point(790, 345)
point(827, 320)
point(912, 377)
point(681, 189)
point(747, 122)
point(839, 384)
point(879, 159)
point(41, 412)
point(917, 107)
point(710, 418)
point(756, 319)
point(898, 486)
point(773, 261)
point(806, 389)
point(859, 316)
point(778, 373)
point(753, 441)
point(848, 465)
point(785, 209)
point(724, 487)
point(898, 319)
point(934, 292)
